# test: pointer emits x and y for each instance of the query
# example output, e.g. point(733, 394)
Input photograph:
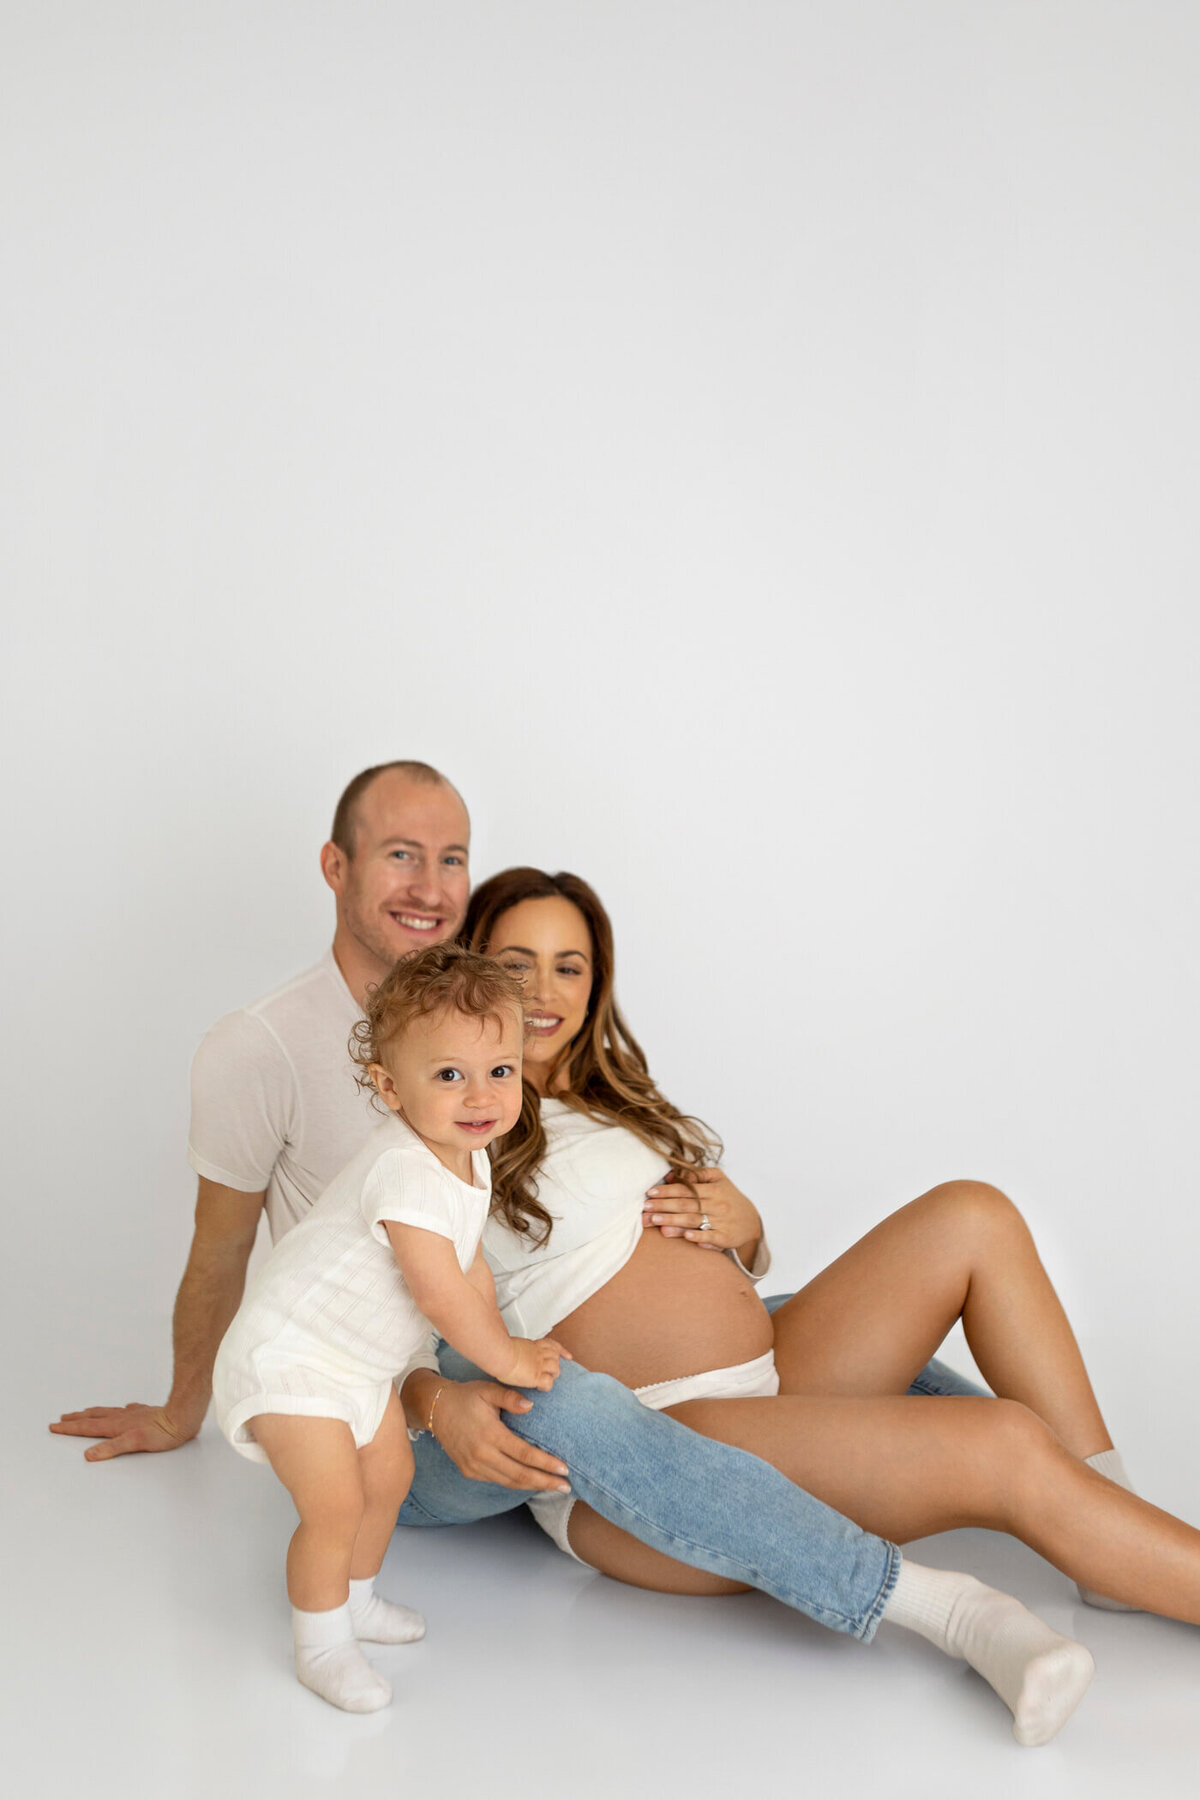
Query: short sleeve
point(244, 1103)
point(761, 1264)
point(411, 1190)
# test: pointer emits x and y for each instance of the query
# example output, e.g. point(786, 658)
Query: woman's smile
point(542, 1024)
point(547, 944)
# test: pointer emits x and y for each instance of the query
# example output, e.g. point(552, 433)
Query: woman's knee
point(977, 1208)
point(1018, 1451)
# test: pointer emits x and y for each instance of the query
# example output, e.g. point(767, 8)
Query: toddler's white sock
point(1040, 1676)
point(381, 1621)
point(329, 1661)
point(1108, 1462)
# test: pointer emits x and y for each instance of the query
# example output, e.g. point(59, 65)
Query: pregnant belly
point(674, 1309)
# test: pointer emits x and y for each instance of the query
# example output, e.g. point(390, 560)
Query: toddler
point(304, 1376)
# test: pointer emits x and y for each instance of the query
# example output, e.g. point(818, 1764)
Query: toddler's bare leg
point(386, 1468)
point(317, 1462)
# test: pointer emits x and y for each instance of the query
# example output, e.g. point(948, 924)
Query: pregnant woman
point(819, 1388)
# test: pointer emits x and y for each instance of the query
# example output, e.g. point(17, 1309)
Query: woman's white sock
point(1040, 1676)
point(381, 1621)
point(329, 1661)
point(1108, 1462)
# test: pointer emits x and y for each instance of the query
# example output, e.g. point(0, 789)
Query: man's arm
point(208, 1297)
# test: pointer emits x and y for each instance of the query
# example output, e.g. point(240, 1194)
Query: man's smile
point(415, 921)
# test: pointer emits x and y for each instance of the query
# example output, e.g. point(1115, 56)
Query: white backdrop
point(750, 447)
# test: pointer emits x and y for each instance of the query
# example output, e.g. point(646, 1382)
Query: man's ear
point(333, 866)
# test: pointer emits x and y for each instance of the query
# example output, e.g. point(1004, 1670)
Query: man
point(276, 1113)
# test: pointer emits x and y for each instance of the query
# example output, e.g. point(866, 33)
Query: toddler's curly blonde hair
point(442, 978)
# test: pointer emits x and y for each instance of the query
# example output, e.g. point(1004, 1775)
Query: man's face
point(406, 883)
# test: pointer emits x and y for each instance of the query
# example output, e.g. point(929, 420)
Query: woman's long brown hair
point(605, 1068)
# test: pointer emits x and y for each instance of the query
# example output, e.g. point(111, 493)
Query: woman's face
point(548, 945)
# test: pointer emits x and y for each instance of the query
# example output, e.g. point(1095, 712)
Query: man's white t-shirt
point(275, 1103)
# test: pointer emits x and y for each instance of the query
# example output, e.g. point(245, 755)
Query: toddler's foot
point(329, 1661)
point(381, 1621)
point(1040, 1675)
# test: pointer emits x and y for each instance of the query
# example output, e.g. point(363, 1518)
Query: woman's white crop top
point(592, 1181)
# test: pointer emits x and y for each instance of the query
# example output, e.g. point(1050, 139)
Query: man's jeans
point(697, 1500)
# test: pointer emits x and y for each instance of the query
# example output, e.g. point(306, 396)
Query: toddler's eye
point(502, 1070)
point(448, 1075)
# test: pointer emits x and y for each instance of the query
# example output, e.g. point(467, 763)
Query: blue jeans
point(697, 1500)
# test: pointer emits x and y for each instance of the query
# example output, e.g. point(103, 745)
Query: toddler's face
point(456, 1080)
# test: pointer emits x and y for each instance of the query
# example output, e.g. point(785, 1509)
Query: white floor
point(149, 1651)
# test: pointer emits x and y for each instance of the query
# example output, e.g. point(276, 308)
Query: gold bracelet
point(432, 1406)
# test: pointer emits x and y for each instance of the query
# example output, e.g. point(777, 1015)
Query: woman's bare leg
point(870, 1321)
point(904, 1468)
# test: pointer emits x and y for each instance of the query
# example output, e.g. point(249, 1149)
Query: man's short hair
point(345, 818)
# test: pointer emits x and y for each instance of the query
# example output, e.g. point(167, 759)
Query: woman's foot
point(1040, 1675)
point(329, 1661)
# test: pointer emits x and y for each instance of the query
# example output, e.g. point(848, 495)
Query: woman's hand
point(469, 1428)
point(678, 1206)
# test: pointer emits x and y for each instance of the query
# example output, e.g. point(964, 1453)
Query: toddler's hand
point(535, 1362)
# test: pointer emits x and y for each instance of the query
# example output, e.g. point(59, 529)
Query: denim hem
point(870, 1624)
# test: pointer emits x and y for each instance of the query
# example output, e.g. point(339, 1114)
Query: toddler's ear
point(384, 1086)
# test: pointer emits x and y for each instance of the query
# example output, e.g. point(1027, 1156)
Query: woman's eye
point(567, 969)
point(520, 970)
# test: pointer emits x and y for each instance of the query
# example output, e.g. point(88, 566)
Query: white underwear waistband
point(741, 1381)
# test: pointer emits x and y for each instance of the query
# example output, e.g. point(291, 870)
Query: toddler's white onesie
point(329, 1322)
